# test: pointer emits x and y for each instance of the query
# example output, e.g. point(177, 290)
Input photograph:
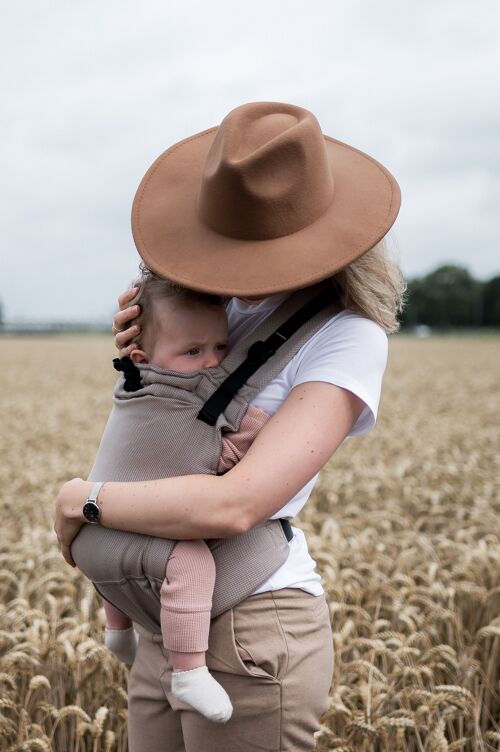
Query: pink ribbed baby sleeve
point(235, 444)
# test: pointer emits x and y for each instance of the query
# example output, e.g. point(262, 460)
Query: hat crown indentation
point(266, 175)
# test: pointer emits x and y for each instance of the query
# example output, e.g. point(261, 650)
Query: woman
point(255, 209)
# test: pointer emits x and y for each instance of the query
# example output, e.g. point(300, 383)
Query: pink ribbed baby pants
point(186, 592)
point(186, 597)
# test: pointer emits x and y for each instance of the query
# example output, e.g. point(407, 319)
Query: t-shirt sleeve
point(350, 351)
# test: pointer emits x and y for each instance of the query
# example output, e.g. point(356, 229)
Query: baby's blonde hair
point(152, 287)
point(373, 285)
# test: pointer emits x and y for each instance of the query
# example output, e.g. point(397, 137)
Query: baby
point(183, 330)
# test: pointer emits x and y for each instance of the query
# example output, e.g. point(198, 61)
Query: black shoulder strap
point(258, 354)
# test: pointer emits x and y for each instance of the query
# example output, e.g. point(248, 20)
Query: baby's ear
point(138, 356)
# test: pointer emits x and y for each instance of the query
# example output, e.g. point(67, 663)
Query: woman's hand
point(69, 517)
point(123, 331)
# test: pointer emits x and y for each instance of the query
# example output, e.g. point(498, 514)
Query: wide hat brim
point(174, 242)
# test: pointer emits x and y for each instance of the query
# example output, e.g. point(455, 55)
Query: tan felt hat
point(261, 204)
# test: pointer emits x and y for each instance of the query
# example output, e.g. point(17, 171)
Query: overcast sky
point(93, 91)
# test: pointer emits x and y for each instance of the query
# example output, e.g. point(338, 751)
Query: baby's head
point(181, 329)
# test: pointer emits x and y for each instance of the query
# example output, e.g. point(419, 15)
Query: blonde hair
point(373, 285)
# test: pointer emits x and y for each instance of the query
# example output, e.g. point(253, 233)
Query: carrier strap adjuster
point(258, 353)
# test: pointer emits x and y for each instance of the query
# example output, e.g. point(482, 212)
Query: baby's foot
point(199, 689)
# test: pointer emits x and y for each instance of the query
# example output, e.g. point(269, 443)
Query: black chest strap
point(258, 353)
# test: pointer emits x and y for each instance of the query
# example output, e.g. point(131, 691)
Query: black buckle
point(287, 528)
point(259, 352)
point(210, 411)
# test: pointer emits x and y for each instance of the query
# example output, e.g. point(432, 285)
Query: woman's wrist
point(75, 494)
point(69, 514)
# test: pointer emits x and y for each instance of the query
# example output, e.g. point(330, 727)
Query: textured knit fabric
point(236, 443)
point(186, 597)
point(186, 592)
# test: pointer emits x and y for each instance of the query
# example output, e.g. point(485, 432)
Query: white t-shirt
point(349, 351)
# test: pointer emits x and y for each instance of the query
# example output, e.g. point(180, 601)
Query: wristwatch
point(91, 510)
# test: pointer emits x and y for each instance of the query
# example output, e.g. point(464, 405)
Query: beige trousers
point(273, 653)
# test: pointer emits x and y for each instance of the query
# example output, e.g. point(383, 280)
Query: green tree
point(447, 297)
point(491, 302)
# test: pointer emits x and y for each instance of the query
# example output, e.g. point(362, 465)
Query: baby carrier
point(166, 423)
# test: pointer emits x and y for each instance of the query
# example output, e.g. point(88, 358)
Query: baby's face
point(188, 338)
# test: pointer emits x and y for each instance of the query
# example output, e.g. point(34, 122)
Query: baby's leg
point(119, 634)
point(115, 619)
point(186, 602)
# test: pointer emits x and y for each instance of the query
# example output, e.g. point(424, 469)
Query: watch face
point(91, 511)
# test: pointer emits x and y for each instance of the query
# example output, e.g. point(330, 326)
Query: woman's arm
point(291, 448)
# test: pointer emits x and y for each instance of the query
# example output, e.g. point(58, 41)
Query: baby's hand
point(123, 332)
point(122, 643)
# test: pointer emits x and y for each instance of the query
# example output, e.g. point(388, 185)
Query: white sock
point(199, 689)
point(122, 642)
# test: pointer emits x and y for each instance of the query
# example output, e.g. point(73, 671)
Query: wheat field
point(404, 525)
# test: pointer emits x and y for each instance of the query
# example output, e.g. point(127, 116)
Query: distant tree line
point(450, 297)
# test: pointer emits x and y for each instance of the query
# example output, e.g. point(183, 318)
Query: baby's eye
point(193, 351)
point(222, 346)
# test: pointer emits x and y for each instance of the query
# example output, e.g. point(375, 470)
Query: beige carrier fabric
point(154, 433)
